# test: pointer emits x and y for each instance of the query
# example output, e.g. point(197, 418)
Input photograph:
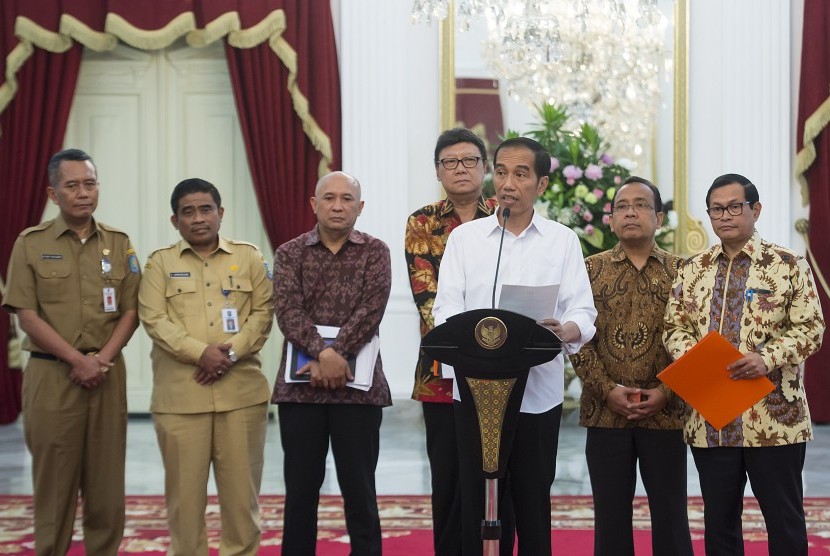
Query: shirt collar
point(60, 226)
point(484, 207)
point(184, 245)
point(618, 253)
point(752, 248)
point(314, 236)
point(534, 225)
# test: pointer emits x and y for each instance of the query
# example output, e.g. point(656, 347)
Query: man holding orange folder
point(761, 297)
point(631, 417)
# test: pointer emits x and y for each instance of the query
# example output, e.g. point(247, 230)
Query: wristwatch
point(232, 356)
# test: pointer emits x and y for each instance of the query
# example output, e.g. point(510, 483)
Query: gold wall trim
point(689, 237)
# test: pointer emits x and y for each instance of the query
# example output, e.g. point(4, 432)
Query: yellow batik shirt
point(763, 300)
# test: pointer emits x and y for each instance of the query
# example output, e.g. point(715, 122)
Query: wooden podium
point(492, 351)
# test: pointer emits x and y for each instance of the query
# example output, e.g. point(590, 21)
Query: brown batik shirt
point(628, 346)
point(348, 289)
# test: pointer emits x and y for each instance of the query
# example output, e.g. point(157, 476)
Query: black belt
point(50, 357)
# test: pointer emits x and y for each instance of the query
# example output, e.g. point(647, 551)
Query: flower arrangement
point(582, 181)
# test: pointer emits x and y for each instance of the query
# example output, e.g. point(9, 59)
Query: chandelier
point(601, 59)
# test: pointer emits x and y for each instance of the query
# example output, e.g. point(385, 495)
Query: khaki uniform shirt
point(53, 273)
point(762, 300)
point(180, 303)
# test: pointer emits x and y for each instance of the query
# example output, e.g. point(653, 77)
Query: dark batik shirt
point(349, 289)
point(427, 230)
point(628, 346)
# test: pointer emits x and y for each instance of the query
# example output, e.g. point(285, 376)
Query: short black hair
point(457, 135)
point(750, 191)
point(193, 185)
point(658, 200)
point(53, 168)
point(541, 158)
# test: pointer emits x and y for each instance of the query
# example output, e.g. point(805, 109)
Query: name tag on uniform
point(109, 300)
point(230, 321)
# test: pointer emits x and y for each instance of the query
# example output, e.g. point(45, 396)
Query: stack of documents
point(362, 364)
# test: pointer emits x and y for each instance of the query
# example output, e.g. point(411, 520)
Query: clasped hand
point(213, 364)
point(330, 370)
point(623, 400)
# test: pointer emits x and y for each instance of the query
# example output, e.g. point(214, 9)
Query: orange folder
point(700, 377)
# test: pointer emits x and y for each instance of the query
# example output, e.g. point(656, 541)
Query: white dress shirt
point(545, 253)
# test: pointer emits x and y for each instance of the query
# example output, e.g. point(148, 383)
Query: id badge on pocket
point(230, 320)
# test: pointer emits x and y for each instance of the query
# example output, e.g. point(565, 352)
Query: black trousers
point(305, 430)
point(525, 494)
point(613, 455)
point(442, 452)
point(775, 475)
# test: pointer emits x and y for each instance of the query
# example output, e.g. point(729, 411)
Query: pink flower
point(554, 164)
point(606, 207)
point(589, 230)
point(570, 181)
point(598, 193)
point(577, 209)
point(587, 216)
point(593, 172)
point(617, 180)
point(606, 219)
point(572, 172)
point(606, 159)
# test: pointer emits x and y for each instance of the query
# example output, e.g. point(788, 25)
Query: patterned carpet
point(405, 522)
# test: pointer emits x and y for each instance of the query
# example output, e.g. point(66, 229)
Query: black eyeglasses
point(467, 161)
point(638, 207)
point(735, 209)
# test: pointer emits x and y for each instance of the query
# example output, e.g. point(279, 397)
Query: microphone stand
point(505, 214)
point(491, 524)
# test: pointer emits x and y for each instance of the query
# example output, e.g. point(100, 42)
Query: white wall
point(740, 106)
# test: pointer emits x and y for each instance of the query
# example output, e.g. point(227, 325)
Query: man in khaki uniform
point(206, 303)
point(73, 283)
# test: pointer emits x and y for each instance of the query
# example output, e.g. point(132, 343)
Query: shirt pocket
point(182, 297)
point(53, 281)
point(239, 290)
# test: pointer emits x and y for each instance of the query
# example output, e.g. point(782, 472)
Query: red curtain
point(478, 107)
point(813, 164)
point(285, 82)
point(33, 127)
point(283, 160)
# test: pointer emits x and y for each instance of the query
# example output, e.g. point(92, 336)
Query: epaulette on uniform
point(165, 248)
point(239, 242)
point(39, 228)
point(109, 228)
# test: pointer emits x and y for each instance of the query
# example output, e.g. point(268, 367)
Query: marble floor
point(402, 467)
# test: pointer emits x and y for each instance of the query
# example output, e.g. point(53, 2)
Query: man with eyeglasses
point(762, 298)
point(630, 416)
point(460, 165)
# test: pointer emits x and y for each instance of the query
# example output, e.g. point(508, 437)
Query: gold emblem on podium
point(491, 333)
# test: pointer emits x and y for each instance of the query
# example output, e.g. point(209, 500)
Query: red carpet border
point(406, 524)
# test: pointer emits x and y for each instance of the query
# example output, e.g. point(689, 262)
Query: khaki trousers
point(233, 441)
point(77, 439)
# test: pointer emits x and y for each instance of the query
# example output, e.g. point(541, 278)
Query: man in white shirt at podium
point(536, 252)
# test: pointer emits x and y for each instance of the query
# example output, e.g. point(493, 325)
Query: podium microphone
point(505, 214)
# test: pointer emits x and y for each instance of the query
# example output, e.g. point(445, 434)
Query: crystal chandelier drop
point(599, 58)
